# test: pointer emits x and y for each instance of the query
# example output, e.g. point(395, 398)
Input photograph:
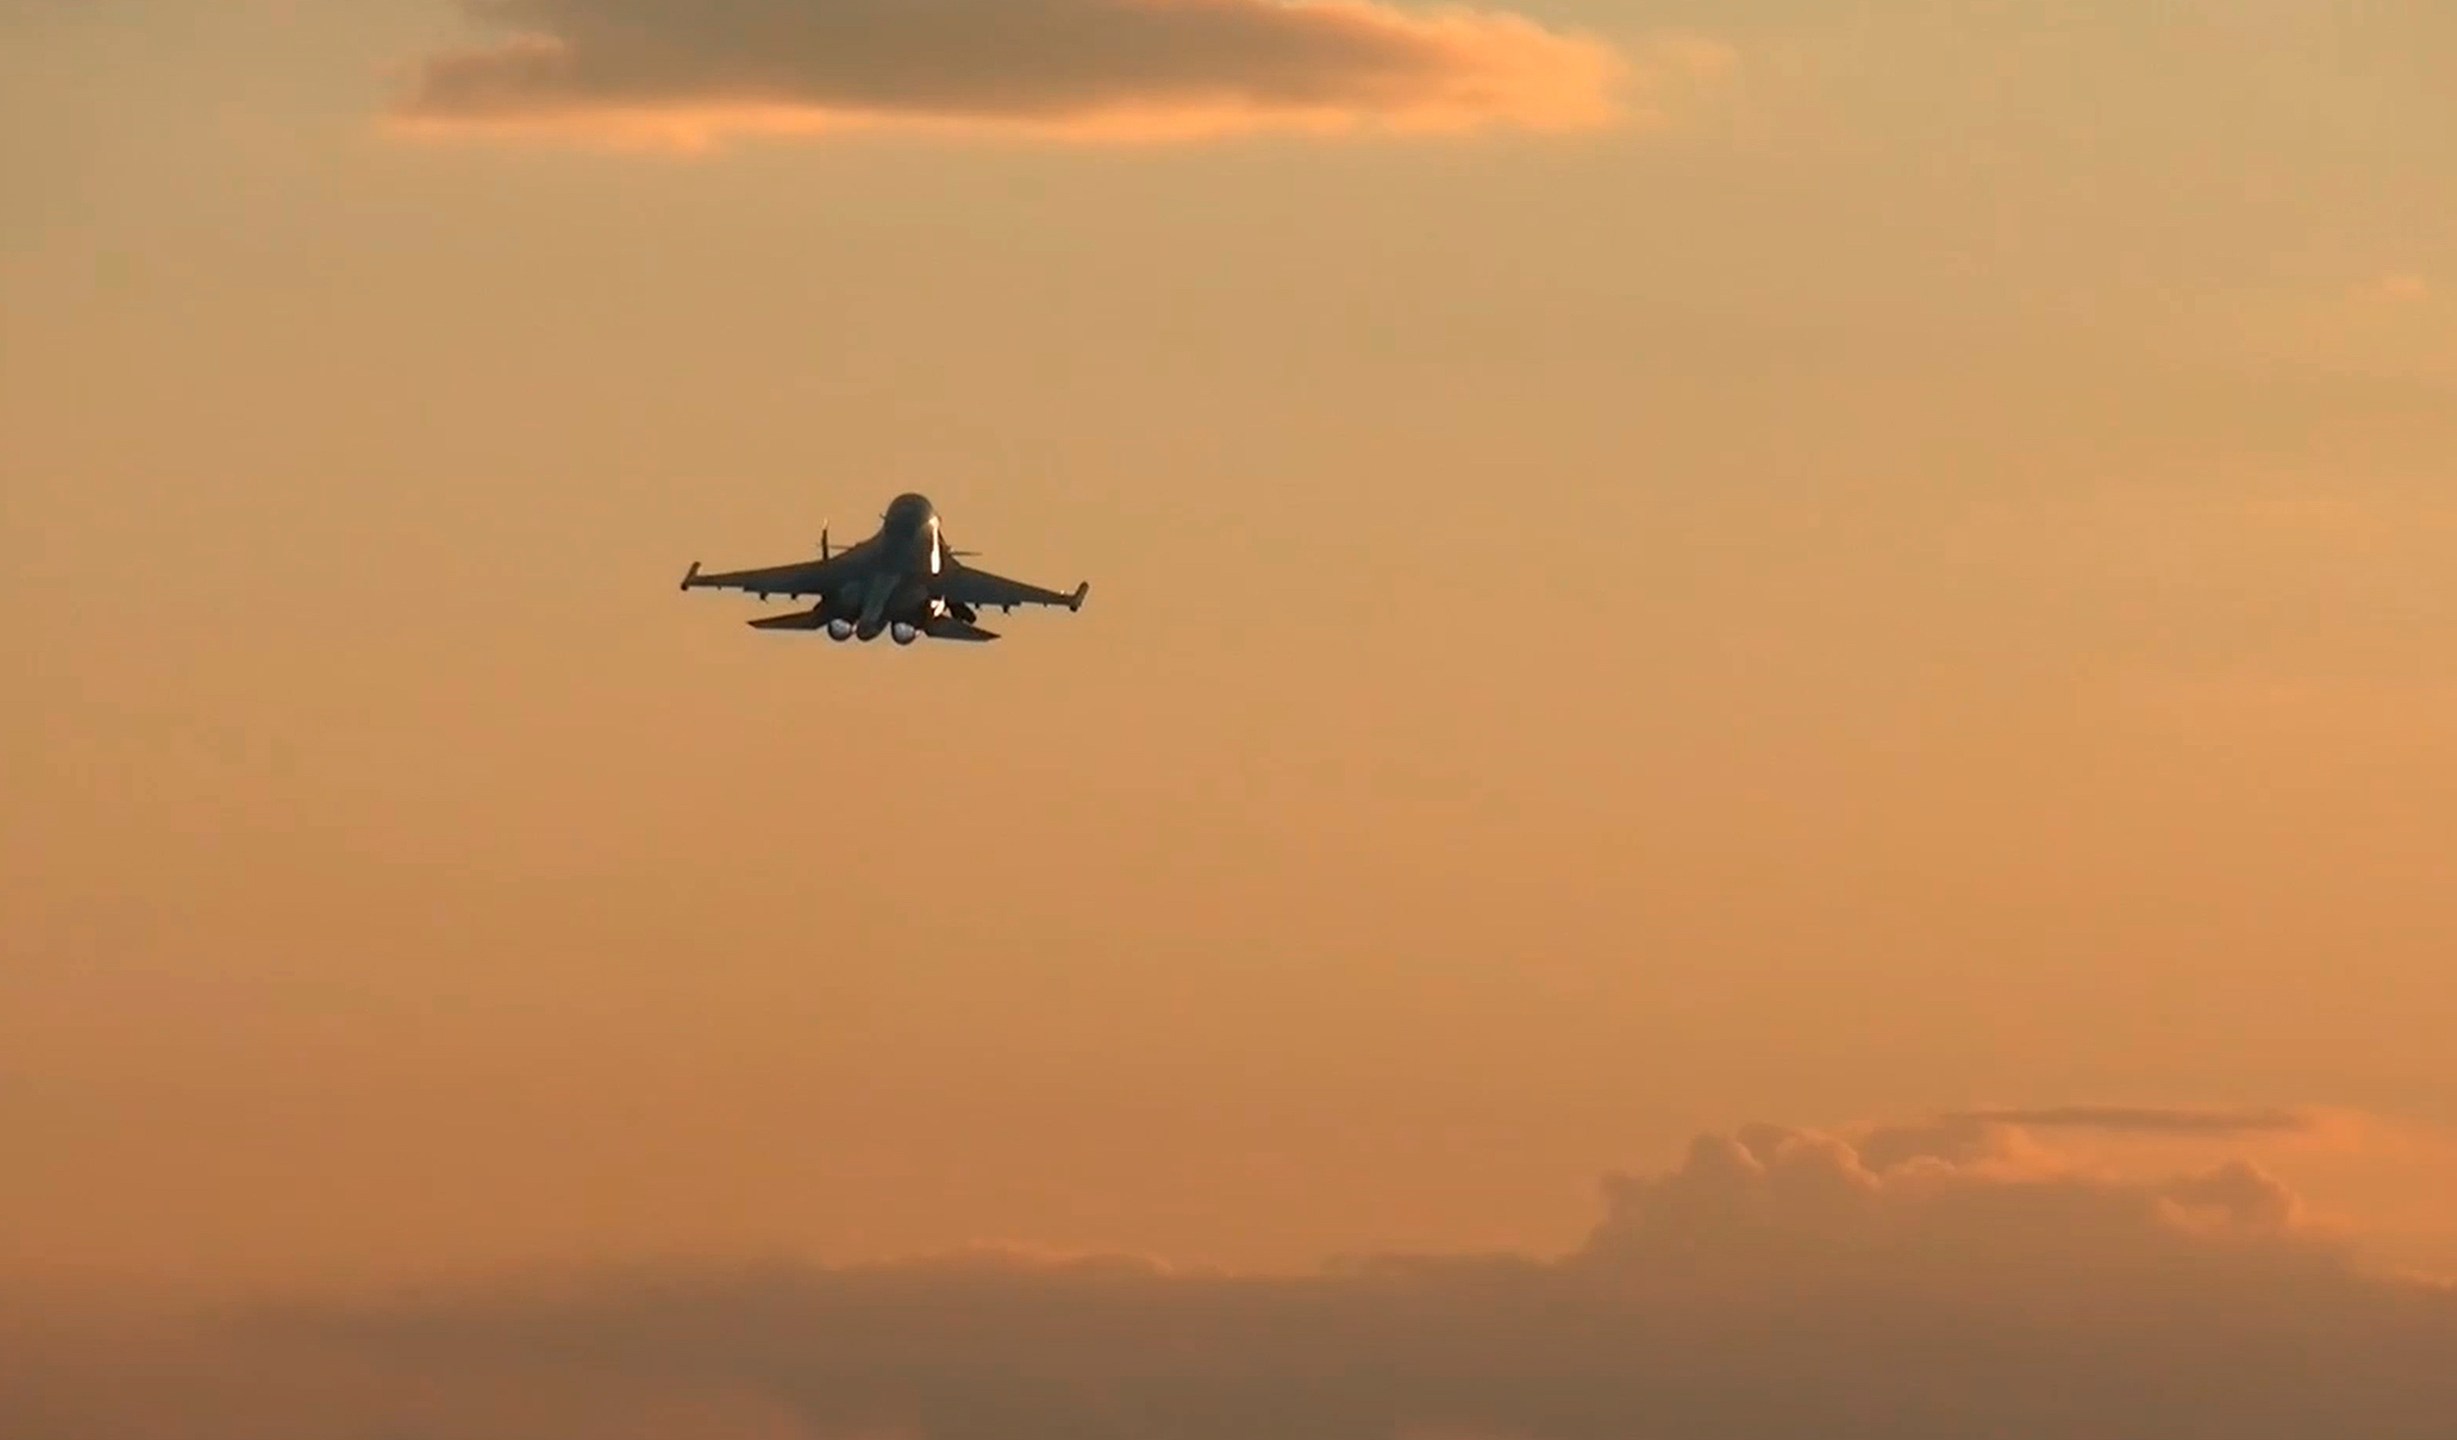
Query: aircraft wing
point(978, 588)
point(804, 577)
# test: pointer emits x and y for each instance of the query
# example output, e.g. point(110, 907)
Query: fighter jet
point(903, 581)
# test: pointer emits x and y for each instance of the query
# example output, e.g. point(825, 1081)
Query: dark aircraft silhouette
point(903, 581)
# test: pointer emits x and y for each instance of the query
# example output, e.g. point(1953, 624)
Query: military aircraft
point(903, 581)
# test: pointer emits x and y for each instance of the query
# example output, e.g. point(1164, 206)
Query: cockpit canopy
point(909, 512)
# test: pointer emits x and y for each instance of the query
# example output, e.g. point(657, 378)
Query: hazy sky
point(1654, 567)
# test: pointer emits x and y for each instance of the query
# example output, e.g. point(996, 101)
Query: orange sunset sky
point(1656, 568)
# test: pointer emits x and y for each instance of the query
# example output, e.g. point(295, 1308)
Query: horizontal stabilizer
point(798, 620)
point(947, 627)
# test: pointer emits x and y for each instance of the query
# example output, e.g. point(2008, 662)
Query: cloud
point(2147, 1120)
point(2400, 288)
point(691, 72)
point(2005, 1137)
point(1776, 1284)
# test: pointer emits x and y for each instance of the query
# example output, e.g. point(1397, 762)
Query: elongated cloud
point(691, 72)
point(2146, 1120)
point(1776, 1284)
point(2005, 1136)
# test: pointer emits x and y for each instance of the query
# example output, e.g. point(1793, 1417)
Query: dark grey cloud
point(1129, 68)
point(1774, 1285)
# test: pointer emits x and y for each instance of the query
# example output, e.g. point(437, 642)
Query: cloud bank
point(691, 72)
point(1777, 1284)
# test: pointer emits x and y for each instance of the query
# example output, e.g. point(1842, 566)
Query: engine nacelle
point(903, 633)
point(840, 629)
